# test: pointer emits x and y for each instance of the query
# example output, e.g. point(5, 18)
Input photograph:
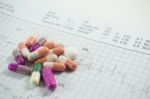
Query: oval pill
point(40, 52)
point(55, 66)
point(48, 58)
point(35, 76)
point(23, 48)
point(51, 44)
point(49, 79)
point(68, 62)
point(39, 43)
point(18, 56)
point(58, 51)
point(19, 68)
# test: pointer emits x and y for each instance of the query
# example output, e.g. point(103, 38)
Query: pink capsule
point(48, 77)
point(19, 68)
point(38, 44)
point(18, 56)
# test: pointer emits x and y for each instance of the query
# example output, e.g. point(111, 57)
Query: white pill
point(71, 52)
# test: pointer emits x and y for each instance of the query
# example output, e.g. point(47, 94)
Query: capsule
point(18, 56)
point(49, 79)
point(71, 52)
point(23, 48)
point(58, 51)
point(68, 62)
point(55, 66)
point(19, 68)
point(48, 58)
point(35, 76)
point(38, 44)
point(40, 52)
point(30, 41)
point(51, 44)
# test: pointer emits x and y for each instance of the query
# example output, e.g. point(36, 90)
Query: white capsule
point(71, 52)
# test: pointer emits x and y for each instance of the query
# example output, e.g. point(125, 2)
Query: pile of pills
point(45, 57)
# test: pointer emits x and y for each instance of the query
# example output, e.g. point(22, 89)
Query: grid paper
point(104, 71)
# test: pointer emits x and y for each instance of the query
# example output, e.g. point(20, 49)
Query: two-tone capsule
point(18, 56)
point(51, 44)
point(55, 66)
point(48, 58)
point(31, 41)
point(48, 77)
point(68, 62)
point(69, 52)
point(35, 76)
point(58, 51)
point(38, 44)
point(23, 48)
point(40, 52)
point(19, 68)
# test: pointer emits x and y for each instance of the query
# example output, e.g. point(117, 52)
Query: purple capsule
point(48, 77)
point(39, 43)
point(19, 68)
point(18, 56)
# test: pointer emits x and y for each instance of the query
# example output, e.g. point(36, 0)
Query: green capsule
point(37, 67)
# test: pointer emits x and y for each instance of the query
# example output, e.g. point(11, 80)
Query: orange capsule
point(48, 58)
point(58, 51)
point(30, 41)
point(51, 44)
point(68, 62)
point(55, 66)
point(40, 52)
point(23, 48)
